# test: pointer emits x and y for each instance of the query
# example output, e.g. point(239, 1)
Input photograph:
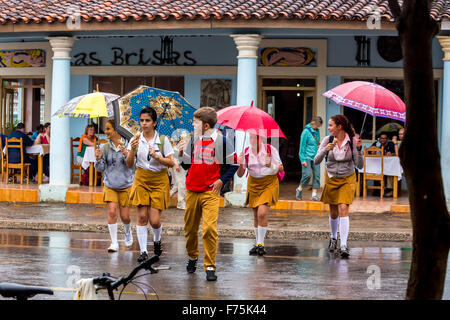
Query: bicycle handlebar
point(111, 283)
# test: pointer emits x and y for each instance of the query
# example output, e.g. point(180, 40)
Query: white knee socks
point(113, 232)
point(344, 225)
point(157, 234)
point(256, 234)
point(333, 226)
point(142, 234)
point(127, 228)
point(261, 235)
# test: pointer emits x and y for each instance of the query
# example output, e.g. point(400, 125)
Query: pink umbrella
point(249, 119)
point(369, 98)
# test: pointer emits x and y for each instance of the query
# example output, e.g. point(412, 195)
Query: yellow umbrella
point(92, 105)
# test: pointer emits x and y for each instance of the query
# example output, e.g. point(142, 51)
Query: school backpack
point(280, 175)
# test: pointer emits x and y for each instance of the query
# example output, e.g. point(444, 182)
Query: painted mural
point(287, 57)
point(22, 58)
point(215, 93)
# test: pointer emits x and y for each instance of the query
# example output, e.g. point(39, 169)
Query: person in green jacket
point(309, 142)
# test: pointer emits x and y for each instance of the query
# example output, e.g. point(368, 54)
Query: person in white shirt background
point(263, 163)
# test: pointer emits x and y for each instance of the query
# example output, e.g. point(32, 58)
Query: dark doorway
point(289, 113)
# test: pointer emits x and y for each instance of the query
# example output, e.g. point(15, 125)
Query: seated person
point(389, 146)
point(88, 139)
point(389, 150)
point(398, 142)
point(44, 138)
point(39, 129)
point(14, 154)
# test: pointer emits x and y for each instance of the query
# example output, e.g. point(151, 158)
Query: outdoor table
point(88, 162)
point(391, 167)
point(40, 150)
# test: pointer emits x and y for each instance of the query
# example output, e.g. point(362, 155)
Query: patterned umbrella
point(175, 113)
point(369, 98)
point(92, 105)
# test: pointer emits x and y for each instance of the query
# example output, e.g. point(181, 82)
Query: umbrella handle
point(364, 121)
point(243, 143)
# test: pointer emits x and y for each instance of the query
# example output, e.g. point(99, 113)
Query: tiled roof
point(54, 11)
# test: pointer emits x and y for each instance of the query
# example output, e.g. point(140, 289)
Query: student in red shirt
point(211, 161)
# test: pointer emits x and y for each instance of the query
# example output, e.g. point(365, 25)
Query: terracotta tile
point(27, 11)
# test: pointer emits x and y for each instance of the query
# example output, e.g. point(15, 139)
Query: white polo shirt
point(142, 152)
point(256, 163)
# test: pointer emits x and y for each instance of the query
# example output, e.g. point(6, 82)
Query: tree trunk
point(419, 152)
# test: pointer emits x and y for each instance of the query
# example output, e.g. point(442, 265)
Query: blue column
point(60, 141)
point(247, 87)
point(445, 132)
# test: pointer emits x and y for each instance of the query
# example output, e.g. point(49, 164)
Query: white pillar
point(247, 91)
point(445, 138)
point(60, 138)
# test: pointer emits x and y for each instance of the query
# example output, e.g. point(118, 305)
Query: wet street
point(301, 269)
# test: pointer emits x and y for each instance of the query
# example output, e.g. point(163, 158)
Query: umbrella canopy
point(173, 110)
point(92, 105)
point(370, 98)
point(390, 128)
point(249, 119)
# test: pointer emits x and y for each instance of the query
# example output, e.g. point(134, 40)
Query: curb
point(178, 230)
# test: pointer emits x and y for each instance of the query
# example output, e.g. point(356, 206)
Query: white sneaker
point(128, 239)
point(114, 247)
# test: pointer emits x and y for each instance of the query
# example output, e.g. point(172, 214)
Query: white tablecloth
point(89, 156)
point(38, 149)
point(391, 166)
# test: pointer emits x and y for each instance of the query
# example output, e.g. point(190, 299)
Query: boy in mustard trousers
point(211, 161)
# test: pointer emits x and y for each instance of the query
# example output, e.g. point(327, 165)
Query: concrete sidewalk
point(233, 222)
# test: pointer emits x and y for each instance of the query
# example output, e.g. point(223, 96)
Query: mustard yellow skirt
point(339, 189)
point(150, 188)
point(263, 190)
point(120, 196)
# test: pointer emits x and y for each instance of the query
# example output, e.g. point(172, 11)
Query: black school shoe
point(142, 257)
point(253, 251)
point(344, 251)
point(211, 274)
point(261, 250)
point(157, 248)
point(332, 246)
point(191, 265)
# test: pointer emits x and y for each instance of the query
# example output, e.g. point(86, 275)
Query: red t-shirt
point(205, 169)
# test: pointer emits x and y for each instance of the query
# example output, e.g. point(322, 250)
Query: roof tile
point(32, 11)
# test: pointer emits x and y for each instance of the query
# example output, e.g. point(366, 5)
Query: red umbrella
point(369, 98)
point(249, 119)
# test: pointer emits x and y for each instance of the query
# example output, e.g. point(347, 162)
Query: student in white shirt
point(152, 154)
point(263, 163)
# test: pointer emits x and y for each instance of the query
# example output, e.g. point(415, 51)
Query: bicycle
point(105, 282)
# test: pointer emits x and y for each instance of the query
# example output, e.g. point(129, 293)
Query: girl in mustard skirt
point(263, 163)
point(342, 150)
point(152, 154)
point(117, 181)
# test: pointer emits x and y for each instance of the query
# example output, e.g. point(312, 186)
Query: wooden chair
point(373, 152)
point(73, 164)
point(96, 173)
point(15, 143)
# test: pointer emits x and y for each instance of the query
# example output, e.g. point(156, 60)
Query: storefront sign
point(120, 57)
point(22, 58)
point(287, 57)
